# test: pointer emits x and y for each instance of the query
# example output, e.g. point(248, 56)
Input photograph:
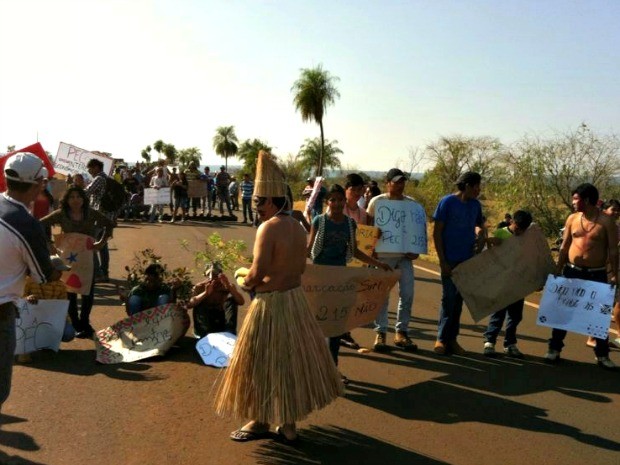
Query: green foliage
point(310, 155)
point(248, 152)
point(229, 254)
point(170, 152)
point(225, 142)
point(189, 155)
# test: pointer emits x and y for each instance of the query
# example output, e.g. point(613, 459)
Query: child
point(332, 242)
point(520, 222)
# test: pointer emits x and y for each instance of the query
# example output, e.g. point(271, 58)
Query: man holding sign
point(589, 243)
point(395, 185)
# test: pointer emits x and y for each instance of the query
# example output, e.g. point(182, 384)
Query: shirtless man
point(589, 243)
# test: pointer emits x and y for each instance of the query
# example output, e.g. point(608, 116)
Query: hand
point(32, 299)
point(99, 244)
point(225, 282)
point(412, 256)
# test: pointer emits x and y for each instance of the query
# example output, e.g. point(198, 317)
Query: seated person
point(215, 302)
point(151, 292)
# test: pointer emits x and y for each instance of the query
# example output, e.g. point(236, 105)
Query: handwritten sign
point(504, 274)
point(344, 298)
point(196, 188)
point(40, 326)
point(403, 227)
point(72, 160)
point(576, 305)
point(76, 250)
point(316, 188)
point(145, 334)
point(159, 196)
point(215, 349)
point(366, 237)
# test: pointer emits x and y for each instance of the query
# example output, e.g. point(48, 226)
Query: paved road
point(399, 409)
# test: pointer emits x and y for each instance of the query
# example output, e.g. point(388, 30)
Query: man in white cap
point(23, 247)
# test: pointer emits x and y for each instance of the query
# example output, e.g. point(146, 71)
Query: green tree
point(225, 142)
point(146, 154)
point(315, 151)
point(189, 155)
point(248, 153)
point(170, 152)
point(158, 146)
point(314, 91)
point(10, 148)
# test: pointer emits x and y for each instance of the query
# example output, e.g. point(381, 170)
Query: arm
point(567, 239)
point(370, 260)
point(230, 287)
point(313, 232)
point(438, 227)
point(612, 235)
point(263, 248)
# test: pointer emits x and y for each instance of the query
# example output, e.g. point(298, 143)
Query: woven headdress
point(270, 180)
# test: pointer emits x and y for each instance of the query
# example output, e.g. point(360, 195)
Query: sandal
point(242, 435)
point(282, 439)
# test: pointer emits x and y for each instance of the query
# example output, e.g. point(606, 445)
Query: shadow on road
point(16, 440)
point(337, 446)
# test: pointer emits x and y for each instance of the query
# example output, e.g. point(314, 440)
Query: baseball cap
point(58, 264)
point(24, 167)
point(395, 175)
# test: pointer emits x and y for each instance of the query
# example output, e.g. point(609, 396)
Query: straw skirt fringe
point(281, 369)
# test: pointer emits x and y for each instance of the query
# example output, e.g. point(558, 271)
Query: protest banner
point(316, 188)
point(40, 326)
point(76, 251)
point(366, 237)
point(196, 188)
point(215, 349)
point(504, 274)
point(145, 334)
point(403, 227)
point(577, 305)
point(343, 298)
point(36, 149)
point(73, 160)
point(159, 196)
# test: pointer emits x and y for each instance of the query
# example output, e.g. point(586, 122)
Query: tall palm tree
point(314, 91)
point(225, 142)
point(248, 152)
point(189, 155)
point(170, 151)
point(311, 153)
point(158, 146)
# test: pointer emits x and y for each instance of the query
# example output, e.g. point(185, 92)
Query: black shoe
point(88, 333)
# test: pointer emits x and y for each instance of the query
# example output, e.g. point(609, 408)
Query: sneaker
point(402, 340)
point(380, 345)
point(615, 343)
point(440, 348)
point(347, 340)
point(606, 363)
point(456, 349)
point(489, 349)
point(513, 351)
point(552, 356)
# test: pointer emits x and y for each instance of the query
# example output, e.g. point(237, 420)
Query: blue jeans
point(134, 304)
point(450, 310)
point(405, 293)
point(515, 315)
point(247, 209)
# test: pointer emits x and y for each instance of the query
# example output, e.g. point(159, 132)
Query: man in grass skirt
point(281, 369)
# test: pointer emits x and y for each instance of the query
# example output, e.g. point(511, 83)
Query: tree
point(314, 91)
point(10, 148)
point(248, 152)
point(225, 142)
point(158, 146)
point(170, 152)
point(315, 151)
point(189, 155)
point(146, 154)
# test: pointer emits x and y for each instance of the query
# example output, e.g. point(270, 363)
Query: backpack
point(114, 196)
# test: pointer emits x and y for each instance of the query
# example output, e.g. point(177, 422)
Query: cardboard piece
point(403, 227)
point(366, 237)
point(76, 250)
point(197, 188)
point(215, 349)
point(40, 326)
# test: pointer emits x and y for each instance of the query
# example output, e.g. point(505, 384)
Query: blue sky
point(117, 75)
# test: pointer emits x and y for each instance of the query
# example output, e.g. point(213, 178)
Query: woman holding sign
point(332, 242)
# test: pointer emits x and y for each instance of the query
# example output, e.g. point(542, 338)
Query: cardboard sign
point(145, 334)
point(40, 326)
point(76, 250)
point(316, 188)
point(403, 227)
point(504, 274)
point(159, 196)
point(215, 349)
point(197, 188)
point(343, 298)
point(577, 305)
point(366, 237)
point(72, 160)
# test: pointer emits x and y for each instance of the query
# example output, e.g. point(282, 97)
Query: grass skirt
point(281, 369)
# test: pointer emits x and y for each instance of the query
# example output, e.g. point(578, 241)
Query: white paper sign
point(403, 227)
point(576, 305)
point(159, 196)
point(40, 326)
point(72, 160)
point(215, 349)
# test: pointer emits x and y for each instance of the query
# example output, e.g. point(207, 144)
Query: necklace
point(593, 222)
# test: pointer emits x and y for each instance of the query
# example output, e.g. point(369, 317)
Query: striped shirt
point(247, 189)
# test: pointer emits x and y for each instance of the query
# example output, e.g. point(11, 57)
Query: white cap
point(24, 167)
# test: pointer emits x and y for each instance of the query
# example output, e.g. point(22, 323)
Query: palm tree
point(225, 142)
point(170, 152)
point(314, 91)
point(248, 152)
point(311, 153)
point(146, 156)
point(158, 146)
point(187, 156)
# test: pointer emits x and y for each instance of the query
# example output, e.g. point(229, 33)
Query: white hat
point(58, 264)
point(24, 167)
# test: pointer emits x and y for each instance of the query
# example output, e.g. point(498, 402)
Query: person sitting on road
point(151, 292)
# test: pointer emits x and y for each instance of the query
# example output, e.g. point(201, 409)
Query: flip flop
point(242, 435)
point(282, 439)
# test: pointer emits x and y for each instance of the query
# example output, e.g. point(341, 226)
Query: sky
point(117, 75)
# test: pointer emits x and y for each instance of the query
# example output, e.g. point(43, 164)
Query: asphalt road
point(400, 408)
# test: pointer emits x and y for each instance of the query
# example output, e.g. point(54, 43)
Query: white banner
point(40, 326)
point(215, 349)
point(576, 305)
point(403, 227)
point(72, 160)
point(159, 196)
